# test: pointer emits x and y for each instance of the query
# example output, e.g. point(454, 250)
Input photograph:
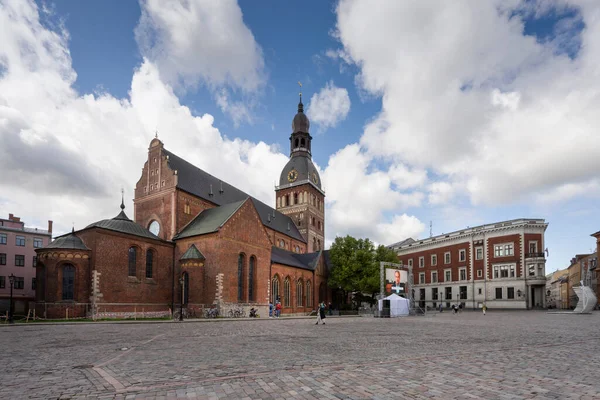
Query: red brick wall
point(533, 237)
point(441, 266)
point(290, 242)
point(283, 272)
point(196, 206)
point(515, 258)
point(242, 234)
point(157, 207)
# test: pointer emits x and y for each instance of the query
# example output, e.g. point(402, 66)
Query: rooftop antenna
point(156, 134)
point(122, 199)
point(300, 84)
point(430, 228)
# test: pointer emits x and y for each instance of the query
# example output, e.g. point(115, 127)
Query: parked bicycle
point(237, 313)
point(211, 313)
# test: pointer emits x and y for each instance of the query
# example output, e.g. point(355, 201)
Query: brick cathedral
point(198, 241)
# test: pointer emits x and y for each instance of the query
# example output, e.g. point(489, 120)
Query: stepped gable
point(195, 181)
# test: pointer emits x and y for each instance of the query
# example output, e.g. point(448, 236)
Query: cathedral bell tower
point(299, 194)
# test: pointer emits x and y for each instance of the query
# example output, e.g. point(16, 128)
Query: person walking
point(484, 308)
point(277, 309)
point(320, 314)
point(270, 310)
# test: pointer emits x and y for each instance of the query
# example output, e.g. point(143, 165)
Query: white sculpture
point(587, 299)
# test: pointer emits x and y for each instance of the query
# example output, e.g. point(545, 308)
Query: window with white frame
point(447, 257)
point(422, 278)
point(462, 255)
point(479, 273)
point(504, 271)
point(504, 250)
point(421, 262)
point(533, 246)
point(410, 262)
point(462, 274)
point(447, 275)
point(433, 259)
point(479, 253)
point(434, 277)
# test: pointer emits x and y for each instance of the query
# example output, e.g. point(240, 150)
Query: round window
point(154, 227)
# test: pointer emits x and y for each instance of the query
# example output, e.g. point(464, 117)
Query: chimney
point(10, 217)
point(49, 226)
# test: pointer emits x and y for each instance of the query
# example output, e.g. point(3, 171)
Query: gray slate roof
point(209, 220)
point(121, 223)
point(67, 242)
point(305, 261)
point(198, 182)
point(193, 254)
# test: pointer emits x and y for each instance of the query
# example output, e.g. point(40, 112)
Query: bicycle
point(211, 313)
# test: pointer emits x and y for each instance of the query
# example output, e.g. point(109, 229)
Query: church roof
point(209, 220)
point(305, 261)
point(67, 242)
point(305, 170)
point(193, 254)
point(121, 223)
point(202, 184)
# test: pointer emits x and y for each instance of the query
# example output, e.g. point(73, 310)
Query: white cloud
point(357, 199)
point(200, 40)
point(405, 178)
point(440, 193)
point(329, 107)
point(467, 96)
point(237, 110)
point(65, 156)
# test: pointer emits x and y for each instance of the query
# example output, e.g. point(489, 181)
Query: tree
point(356, 265)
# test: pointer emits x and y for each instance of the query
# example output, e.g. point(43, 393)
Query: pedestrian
point(330, 309)
point(460, 307)
point(320, 313)
point(270, 309)
point(484, 308)
point(441, 307)
point(278, 309)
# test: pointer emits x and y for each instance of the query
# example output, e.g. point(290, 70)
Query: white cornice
point(493, 230)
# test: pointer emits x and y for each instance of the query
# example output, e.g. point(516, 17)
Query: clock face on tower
point(315, 178)
point(292, 175)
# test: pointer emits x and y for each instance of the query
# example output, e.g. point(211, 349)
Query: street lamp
point(181, 281)
point(11, 279)
point(519, 293)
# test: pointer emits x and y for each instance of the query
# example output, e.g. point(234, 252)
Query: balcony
point(535, 255)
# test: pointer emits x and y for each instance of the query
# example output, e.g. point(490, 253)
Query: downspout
point(173, 284)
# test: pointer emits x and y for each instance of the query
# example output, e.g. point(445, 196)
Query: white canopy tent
point(398, 305)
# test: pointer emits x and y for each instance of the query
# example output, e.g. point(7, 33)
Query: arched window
point(68, 282)
point(295, 198)
point(132, 261)
point(286, 292)
point(319, 225)
point(274, 289)
point(287, 199)
point(149, 262)
point(296, 143)
point(240, 277)
point(308, 295)
point(278, 202)
point(251, 272)
point(302, 143)
point(314, 244)
point(299, 299)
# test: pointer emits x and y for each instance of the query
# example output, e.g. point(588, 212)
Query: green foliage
point(356, 264)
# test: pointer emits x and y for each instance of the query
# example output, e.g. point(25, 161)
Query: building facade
point(501, 265)
point(197, 242)
point(17, 257)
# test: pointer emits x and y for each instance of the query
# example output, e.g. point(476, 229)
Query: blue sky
point(460, 114)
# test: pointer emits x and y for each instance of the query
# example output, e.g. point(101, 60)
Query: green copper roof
point(192, 254)
point(210, 220)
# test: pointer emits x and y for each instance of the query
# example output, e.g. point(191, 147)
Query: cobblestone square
point(503, 355)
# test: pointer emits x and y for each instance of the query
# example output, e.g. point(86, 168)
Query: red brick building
point(501, 265)
point(196, 240)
